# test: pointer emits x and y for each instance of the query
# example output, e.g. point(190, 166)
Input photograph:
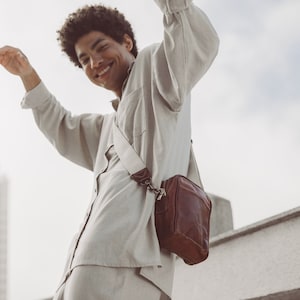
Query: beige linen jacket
point(153, 114)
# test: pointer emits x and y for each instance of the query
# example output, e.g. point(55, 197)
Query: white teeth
point(103, 71)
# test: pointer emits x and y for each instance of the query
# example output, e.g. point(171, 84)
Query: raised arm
point(189, 47)
point(75, 137)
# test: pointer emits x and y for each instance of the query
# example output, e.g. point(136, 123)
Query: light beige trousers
point(104, 283)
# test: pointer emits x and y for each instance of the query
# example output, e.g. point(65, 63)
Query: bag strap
point(137, 168)
point(133, 163)
point(193, 171)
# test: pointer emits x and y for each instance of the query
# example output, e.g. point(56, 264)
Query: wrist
point(30, 80)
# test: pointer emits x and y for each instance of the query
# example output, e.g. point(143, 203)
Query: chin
point(98, 83)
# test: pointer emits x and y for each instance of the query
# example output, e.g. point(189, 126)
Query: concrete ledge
point(234, 234)
point(288, 295)
point(258, 262)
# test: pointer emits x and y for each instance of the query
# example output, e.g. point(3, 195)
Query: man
point(116, 254)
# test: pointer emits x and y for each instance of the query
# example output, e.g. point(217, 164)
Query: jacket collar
point(115, 102)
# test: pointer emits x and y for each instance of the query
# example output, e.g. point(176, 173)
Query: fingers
point(9, 51)
point(14, 60)
point(6, 50)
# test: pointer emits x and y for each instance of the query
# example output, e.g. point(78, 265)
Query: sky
point(245, 124)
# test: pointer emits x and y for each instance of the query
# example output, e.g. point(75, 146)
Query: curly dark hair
point(93, 18)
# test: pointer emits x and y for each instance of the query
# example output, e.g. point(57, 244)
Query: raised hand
point(15, 62)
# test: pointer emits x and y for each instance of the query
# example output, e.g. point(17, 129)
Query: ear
point(127, 42)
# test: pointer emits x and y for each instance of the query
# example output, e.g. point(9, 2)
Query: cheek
point(87, 71)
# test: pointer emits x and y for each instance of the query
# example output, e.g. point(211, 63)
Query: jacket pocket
point(131, 115)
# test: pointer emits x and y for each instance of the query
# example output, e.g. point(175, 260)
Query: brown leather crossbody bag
point(182, 208)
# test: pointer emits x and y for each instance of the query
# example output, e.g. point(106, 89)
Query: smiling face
point(105, 61)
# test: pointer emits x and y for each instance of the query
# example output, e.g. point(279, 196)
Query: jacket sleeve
point(74, 137)
point(189, 47)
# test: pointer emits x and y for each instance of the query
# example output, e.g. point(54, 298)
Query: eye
point(84, 61)
point(101, 48)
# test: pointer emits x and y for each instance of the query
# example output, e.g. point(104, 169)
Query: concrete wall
point(252, 262)
point(221, 215)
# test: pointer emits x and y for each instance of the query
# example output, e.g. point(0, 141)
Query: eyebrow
point(94, 45)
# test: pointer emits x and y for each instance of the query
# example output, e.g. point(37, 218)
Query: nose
point(96, 60)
